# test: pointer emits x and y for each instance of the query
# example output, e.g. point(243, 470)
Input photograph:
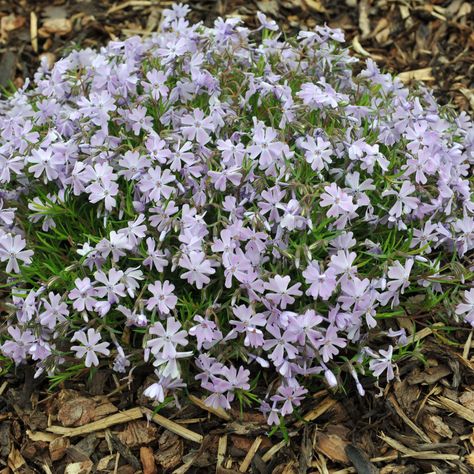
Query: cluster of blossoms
point(231, 203)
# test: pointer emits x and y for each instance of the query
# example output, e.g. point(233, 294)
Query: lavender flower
point(90, 346)
point(11, 250)
point(163, 297)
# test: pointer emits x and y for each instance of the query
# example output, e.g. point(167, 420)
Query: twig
point(410, 453)
point(173, 427)
point(457, 408)
point(407, 420)
point(122, 417)
point(248, 458)
point(322, 408)
point(34, 31)
point(221, 450)
point(215, 411)
point(467, 346)
point(129, 3)
point(273, 450)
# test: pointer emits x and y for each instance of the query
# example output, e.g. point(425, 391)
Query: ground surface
point(421, 423)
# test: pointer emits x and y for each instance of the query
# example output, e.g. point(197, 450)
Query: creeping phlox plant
point(231, 207)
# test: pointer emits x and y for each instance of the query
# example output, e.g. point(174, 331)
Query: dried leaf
point(115, 419)
point(250, 454)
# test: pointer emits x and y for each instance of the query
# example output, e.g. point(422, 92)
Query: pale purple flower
point(330, 343)
point(18, 347)
point(236, 266)
point(267, 23)
point(156, 85)
point(405, 203)
point(249, 322)
point(265, 145)
point(467, 308)
point(339, 201)
point(355, 294)
point(133, 165)
point(90, 346)
point(167, 340)
point(322, 284)
point(131, 278)
point(220, 178)
point(44, 161)
point(134, 318)
point(140, 120)
point(197, 126)
point(382, 363)
point(135, 231)
point(198, 268)
point(156, 258)
point(342, 264)
point(317, 152)
point(281, 344)
point(163, 297)
point(290, 396)
point(55, 311)
point(205, 332)
point(306, 328)
point(399, 276)
point(231, 153)
point(280, 294)
point(12, 250)
point(155, 184)
point(112, 287)
point(116, 246)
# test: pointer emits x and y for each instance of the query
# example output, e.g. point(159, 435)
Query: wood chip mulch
point(422, 423)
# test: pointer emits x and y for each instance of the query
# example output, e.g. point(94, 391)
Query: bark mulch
point(421, 423)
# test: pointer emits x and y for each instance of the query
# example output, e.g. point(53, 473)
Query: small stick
point(457, 408)
point(115, 419)
point(221, 450)
point(252, 451)
point(219, 412)
point(34, 31)
point(174, 427)
point(407, 420)
point(272, 451)
point(322, 408)
point(467, 346)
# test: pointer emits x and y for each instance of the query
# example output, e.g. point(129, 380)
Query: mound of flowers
point(239, 210)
